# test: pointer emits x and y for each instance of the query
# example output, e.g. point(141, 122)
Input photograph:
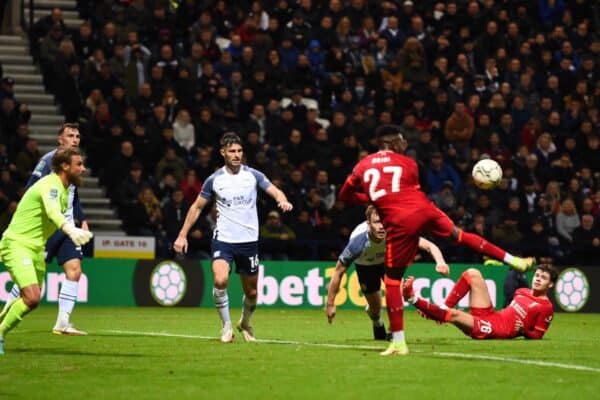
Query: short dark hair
point(67, 125)
point(553, 272)
point(369, 211)
point(63, 157)
point(387, 133)
point(230, 138)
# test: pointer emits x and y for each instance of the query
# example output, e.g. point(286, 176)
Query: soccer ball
point(487, 174)
point(168, 283)
point(572, 289)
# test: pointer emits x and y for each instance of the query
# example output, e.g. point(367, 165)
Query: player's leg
point(369, 278)
point(395, 310)
point(249, 284)
point(222, 257)
point(460, 319)
point(69, 256)
point(246, 265)
point(441, 225)
point(14, 294)
point(27, 269)
point(220, 270)
point(470, 281)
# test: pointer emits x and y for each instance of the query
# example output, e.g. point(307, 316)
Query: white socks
point(508, 259)
point(398, 336)
point(222, 304)
point(247, 310)
point(66, 301)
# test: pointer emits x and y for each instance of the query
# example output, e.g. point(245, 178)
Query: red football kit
point(390, 181)
point(526, 315)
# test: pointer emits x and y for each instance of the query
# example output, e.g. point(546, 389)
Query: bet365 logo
point(572, 289)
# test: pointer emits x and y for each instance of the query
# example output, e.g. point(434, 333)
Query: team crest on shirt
point(54, 193)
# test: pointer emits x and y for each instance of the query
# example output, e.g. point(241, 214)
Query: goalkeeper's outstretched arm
point(181, 244)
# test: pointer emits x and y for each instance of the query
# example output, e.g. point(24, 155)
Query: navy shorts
point(369, 277)
point(62, 247)
point(245, 255)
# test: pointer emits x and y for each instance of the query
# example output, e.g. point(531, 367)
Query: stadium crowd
point(154, 85)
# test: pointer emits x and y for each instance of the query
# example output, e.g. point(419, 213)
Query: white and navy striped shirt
point(361, 249)
point(235, 195)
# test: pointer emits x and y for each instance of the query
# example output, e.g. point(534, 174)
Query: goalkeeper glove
point(77, 235)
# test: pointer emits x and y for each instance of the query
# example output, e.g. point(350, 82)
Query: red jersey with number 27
point(389, 180)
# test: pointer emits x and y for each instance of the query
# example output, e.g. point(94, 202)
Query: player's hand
point(85, 226)
point(285, 206)
point(442, 269)
point(330, 311)
point(77, 235)
point(180, 245)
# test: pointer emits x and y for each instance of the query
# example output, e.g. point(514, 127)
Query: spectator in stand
point(586, 241)
point(567, 220)
point(439, 172)
point(277, 238)
point(190, 185)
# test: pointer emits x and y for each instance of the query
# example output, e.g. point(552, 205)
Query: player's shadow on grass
point(69, 352)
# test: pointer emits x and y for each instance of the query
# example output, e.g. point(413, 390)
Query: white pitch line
point(468, 356)
point(267, 341)
point(516, 360)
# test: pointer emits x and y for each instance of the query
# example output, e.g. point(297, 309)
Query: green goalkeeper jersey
point(39, 213)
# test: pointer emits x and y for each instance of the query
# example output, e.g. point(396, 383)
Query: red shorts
point(488, 324)
point(406, 226)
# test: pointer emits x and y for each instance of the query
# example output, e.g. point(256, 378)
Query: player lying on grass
point(366, 249)
point(39, 213)
point(528, 315)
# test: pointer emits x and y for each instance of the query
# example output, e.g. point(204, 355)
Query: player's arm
point(280, 197)
point(333, 289)
point(541, 325)
point(440, 263)
point(350, 193)
point(41, 169)
point(49, 194)
point(350, 253)
point(181, 243)
point(78, 212)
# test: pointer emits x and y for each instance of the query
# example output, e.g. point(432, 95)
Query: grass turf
point(119, 360)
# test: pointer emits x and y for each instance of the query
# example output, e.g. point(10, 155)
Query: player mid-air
point(39, 213)
point(59, 245)
point(366, 249)
point(390, 180)
point(235, 237)
point(529, 314)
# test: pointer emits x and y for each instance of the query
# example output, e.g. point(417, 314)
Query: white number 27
point(373, 176)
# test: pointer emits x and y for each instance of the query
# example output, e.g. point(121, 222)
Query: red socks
point(395, 306)
point(432, 311)
point(481, 245)
point(460, 289)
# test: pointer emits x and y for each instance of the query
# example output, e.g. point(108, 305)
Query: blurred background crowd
point(154, 84)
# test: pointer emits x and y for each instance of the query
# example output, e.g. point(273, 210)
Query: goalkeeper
point(39, 213)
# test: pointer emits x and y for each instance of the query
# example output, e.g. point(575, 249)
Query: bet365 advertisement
point(121, 282)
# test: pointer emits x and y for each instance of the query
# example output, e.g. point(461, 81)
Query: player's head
point(68, 135)
point(389, 137)
point(374, 223)
point(231, 150)
point(544, 278)
point(69, 162)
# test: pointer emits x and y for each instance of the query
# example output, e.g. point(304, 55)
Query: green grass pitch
point(160, 353)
